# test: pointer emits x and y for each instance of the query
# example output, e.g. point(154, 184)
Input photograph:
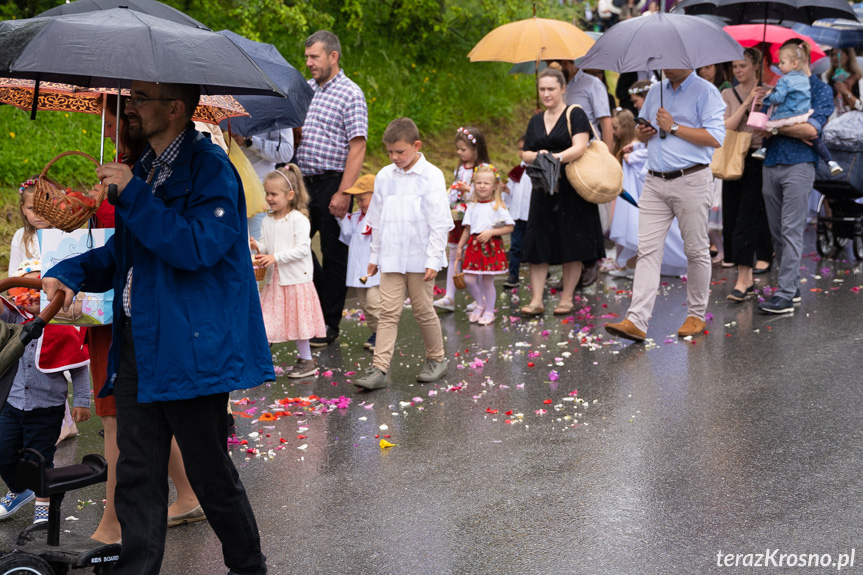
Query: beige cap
point(364, 185)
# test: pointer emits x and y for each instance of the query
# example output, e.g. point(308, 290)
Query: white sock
point(304, 348)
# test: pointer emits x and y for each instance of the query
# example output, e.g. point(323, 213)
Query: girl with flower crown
point(472, 151)
point(486, 221)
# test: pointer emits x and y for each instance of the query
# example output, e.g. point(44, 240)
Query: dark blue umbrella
point(269, 113)
point(626, 196)
point(834, 33)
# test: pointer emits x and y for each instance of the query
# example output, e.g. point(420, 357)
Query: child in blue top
point(791, 102)
point(33, 413)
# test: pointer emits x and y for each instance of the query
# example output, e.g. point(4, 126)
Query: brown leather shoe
point(625, 329)
point(692, 326)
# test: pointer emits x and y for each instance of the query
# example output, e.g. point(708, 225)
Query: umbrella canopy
point(545, 172)
point(111, 47)
point(151, 7)
point(268, 113)
point(55, 97)
point(662, 42)
point(748, 35)
point(531, 40)
point(773, 11)
point(836, 33)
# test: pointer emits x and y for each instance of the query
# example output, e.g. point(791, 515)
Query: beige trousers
point(393, 287)
point(370, 303)
point(687, 198)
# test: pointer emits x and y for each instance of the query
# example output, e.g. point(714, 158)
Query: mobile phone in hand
point(645, 123)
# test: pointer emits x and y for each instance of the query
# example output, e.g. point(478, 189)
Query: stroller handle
point(34, 283)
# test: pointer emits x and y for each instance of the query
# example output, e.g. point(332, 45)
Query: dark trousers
point(516, 239)
point(144, 432)
point(37, 429)
point(330, 274)
point(745, 231)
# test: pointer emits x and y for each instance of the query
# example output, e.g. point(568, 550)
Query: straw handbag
point(597, 176)
point(728, 160)
point(458, 277)
point(63, 210)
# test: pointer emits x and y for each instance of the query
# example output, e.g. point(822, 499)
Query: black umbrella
point(773, 11)
point(545, 171)
point(267, 113)
point(110, 48)
point(151, 7)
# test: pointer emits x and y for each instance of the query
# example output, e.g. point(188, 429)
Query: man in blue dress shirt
point(789, 172)
point(678, 184)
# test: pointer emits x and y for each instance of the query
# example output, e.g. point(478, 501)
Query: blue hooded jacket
point(197, 319)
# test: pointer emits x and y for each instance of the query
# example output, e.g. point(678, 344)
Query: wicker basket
point(458, 276)
point(51, 203)
point(260, 271)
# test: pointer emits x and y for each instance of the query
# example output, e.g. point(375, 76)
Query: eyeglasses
point(138, 101)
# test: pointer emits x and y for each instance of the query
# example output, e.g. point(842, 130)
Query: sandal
point(475, 315)
point(563, 309)
point(532, 310)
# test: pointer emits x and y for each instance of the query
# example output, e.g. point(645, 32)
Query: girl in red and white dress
point(485, 222)
point(472, 151)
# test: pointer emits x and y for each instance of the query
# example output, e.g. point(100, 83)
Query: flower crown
point(27, 184)
point(490, 167)
point(467, 135)
point(644, 90)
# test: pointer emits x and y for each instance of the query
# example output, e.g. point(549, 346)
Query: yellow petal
point(386, 444)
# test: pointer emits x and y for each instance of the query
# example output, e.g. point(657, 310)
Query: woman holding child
point(562, 228)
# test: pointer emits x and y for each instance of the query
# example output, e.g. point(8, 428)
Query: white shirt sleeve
point(16, 251)
point(439, 220)
point(346, 227)
point(276, 147)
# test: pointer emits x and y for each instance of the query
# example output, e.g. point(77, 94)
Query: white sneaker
point(835, 168)
point(470, 307)
point(627, 273)
point(760, 153)
point(445, 304)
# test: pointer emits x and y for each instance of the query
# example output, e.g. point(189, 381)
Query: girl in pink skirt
point(292, 311)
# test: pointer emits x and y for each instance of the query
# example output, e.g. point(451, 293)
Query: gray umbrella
point(661, 42)
point(108, 48)
point(151, 7)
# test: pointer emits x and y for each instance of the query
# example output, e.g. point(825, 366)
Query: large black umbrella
point(151, 7)
point(773, 11)
point(267, 113)
point(110, 48)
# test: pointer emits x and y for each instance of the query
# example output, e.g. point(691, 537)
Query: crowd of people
point(178, 207)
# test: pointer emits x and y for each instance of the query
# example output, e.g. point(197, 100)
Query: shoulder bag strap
point(569, 122)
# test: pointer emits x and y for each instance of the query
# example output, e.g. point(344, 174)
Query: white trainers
point(470, 307)
point(445, 304)
point(835, 168)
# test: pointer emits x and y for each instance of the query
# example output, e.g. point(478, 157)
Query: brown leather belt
point(677, 173)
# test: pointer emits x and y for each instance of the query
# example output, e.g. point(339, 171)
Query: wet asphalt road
point(553, 448)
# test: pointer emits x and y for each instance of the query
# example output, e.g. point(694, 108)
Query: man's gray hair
point(328, 39)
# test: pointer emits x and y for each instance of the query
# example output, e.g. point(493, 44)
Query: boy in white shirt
point(357, 234)
point(410, 218)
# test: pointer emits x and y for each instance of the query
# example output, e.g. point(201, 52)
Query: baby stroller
point(840, 211)
point(37, 550)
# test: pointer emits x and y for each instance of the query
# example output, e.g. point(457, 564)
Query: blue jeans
point(516, 239)
point(37, 429)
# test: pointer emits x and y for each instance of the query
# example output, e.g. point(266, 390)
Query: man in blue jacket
point(187, 326)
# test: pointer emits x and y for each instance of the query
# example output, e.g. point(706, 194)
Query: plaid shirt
point(336, 115)
point(160, 169)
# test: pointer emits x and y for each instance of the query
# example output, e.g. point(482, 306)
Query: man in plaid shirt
point(330, 156)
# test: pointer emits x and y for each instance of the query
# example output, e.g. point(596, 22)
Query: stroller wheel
point(824, 243)
point(857, 246)
point(18, 563)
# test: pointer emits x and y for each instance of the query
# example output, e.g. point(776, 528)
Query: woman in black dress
point(561, 228)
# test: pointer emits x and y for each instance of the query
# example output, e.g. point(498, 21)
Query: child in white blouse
point(485, 223)
point(410, 217)
point(357, 234)
point(290, 304)
point(24, 243)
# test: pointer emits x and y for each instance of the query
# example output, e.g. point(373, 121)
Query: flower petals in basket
point(62, 208)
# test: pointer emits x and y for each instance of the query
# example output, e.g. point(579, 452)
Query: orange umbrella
point(532, 40)
point(68, 98)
